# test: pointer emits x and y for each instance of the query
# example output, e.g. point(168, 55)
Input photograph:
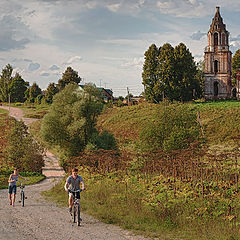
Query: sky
point(103, 40)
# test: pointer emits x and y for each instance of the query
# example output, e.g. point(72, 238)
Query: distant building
point(218, 61)
point(107, 94)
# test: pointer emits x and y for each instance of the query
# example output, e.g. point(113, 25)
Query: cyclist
point(12, 186)
point(73, 183)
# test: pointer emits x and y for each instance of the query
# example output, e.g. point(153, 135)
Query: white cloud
point(114, 7)
point(33, 66)
point(75, 59)
point(135, 62)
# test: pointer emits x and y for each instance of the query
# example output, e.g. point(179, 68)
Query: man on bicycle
point(12, 187)
point(73, 183)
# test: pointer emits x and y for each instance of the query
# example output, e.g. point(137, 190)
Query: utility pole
point(128, 95)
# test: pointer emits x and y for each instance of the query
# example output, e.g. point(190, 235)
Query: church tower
point(218, 61)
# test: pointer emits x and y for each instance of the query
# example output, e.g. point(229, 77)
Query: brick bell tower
point(218, 61)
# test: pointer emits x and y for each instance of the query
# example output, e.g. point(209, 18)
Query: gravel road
point(42, 220)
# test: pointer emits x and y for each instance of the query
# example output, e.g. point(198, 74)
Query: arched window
point(215, 39)
point(216, 66)
point(223, 39)
point(215, 89)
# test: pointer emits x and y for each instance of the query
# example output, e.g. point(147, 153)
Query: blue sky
point(103, 40)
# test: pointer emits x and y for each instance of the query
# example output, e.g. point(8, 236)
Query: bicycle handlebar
point(71, 191)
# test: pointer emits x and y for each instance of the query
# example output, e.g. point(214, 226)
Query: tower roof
point(217, 22)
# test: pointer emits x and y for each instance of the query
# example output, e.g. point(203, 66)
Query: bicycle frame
point(22, 194)
point(76, 207)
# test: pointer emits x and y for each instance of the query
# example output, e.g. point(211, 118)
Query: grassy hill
point(220, 120)
point(190, 193)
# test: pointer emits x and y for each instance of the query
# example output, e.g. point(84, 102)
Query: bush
point(173, 127)
point(104, 140)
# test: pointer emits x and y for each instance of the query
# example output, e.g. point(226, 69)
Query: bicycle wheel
point(22, 198)
point(78, 212)
point(74, 213)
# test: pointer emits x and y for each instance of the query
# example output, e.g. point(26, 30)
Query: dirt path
point(42, 220)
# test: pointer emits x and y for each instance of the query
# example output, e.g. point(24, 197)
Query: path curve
point(42, 220)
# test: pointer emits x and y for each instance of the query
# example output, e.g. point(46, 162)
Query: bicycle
point(76, 207)
point(22, 194)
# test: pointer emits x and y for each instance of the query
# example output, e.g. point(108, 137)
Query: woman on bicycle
point(12, 187)
point(73, 183)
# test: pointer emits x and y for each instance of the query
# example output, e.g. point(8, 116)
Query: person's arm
point(66, 186)
point(23, 177)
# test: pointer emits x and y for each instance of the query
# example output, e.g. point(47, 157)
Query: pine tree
point(69, 76)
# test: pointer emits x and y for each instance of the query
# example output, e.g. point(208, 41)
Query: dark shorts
point(77, 194)
point(12, 189)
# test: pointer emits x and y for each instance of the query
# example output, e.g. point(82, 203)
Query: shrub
point(173, 127)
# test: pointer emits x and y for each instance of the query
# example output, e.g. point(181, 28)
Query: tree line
point(16, 89)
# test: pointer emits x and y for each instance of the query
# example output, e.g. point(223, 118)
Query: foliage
point(175, 128)
point(170, 73)
point(24, 152)
point(51, 91)
point(33, 92)
point(17, 89)
point(235, 66)
point(71, 120)
point(199, 91)
point(149, 73)
point(5, 82)
point(69, 76)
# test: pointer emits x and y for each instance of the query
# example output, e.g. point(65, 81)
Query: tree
point(71, 120)
point(5, 82)
point(185, 71)
point(69, 76)
point(51, 91)
point(165, 73)
point(34, 91)
point(149, 72)
point(169, 73)
point(24, 152)
point(17, 89)
point(235, 66)
point(199, 93)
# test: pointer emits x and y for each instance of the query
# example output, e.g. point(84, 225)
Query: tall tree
point(5, 82)
point(235, 66)
point(171, 75)
point(51, 91)
point(185, 70)
point(69, 76)
point(149, 72)
point(165, 73)
point(17, 89)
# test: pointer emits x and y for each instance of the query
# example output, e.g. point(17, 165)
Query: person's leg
point(10, 194)
point(14, 195)
point(70, 202)
point(13, 199)
point(10, 198)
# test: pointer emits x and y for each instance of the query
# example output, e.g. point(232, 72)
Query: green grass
point(32, 180)
point(31, 110)
point(220, 120)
